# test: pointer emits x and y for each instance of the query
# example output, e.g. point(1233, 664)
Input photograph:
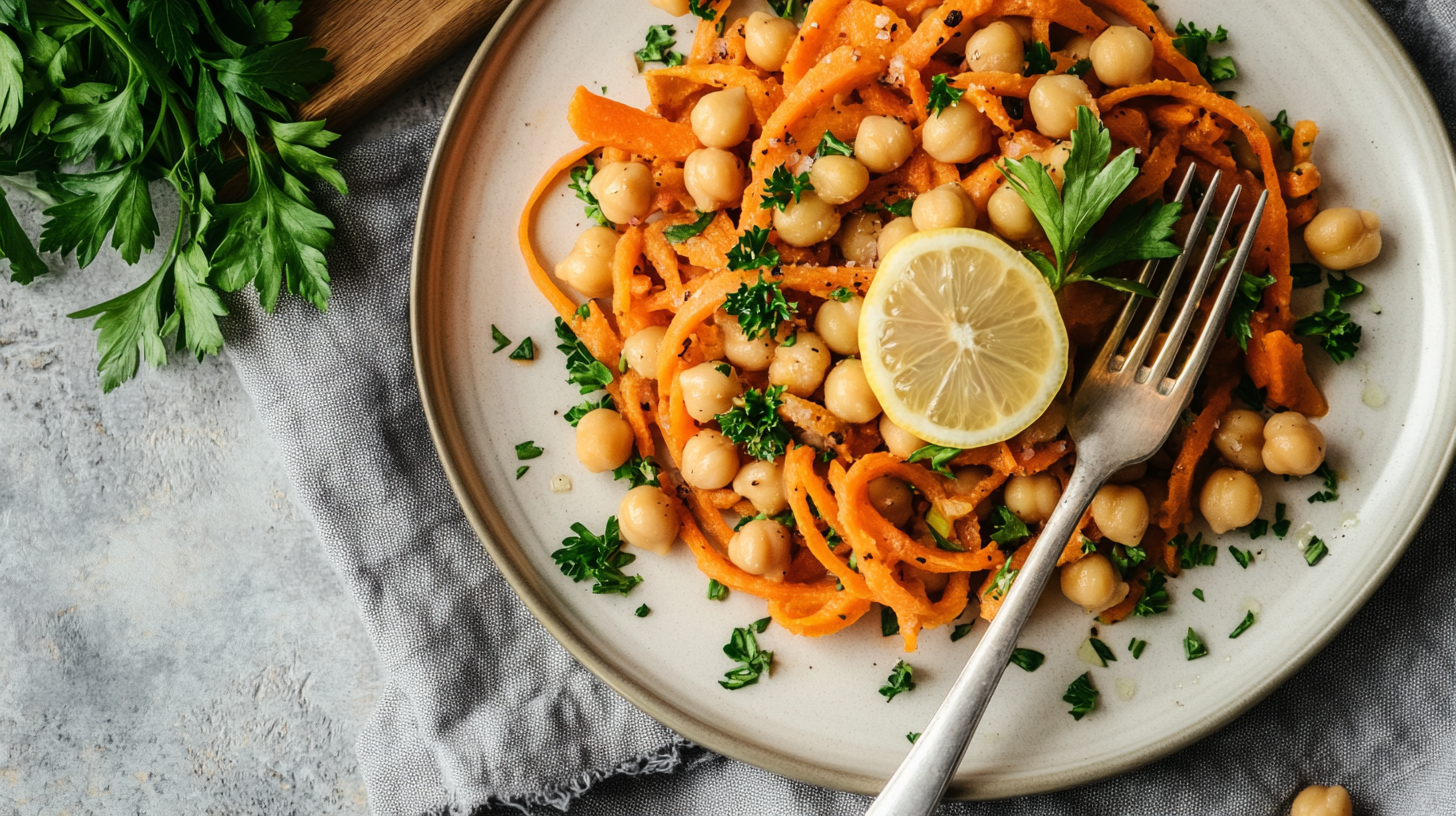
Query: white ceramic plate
point(819, 718)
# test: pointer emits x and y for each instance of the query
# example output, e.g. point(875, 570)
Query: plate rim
point(479, 509)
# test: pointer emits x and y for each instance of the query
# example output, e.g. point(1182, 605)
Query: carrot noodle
point(858, 58)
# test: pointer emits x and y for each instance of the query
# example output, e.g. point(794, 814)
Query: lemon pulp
point(961, 338)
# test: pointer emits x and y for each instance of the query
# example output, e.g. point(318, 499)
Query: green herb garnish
point(1193, 645)
point(1136, 647)
point(753, 251)
point(938, 456)
point(1081, 696)
point(1257, 528)
point(1243, 625)
point(1249, 394)
point(521, 471)
point(1103, 651)
point(501, 341)
point(1193, 42)
point(1286, 133)
point(639, 470)
point(912, 736)
point(716, 591)
point(582, 369)
point(889, 622)
point(900, 681)
point(829, 145)
point(1244, 557)
point(574, 415)
point(1246, 301)
point(842, 294)
point(1198, 593)
point(788, 8)
point(1006, 528)
point(1003, 579)
point(1315, 551)
point(659, 47)
point(1194, 553)
point(1155, 598)
point(1028, 659)
point(754, 662)
point(581, 183)
point(781, 186)
point(1080, 68)
point(1331, 482)
point(643, 611)
point(960, 631)
point(1338, 335)
point(1039, 59)
point(1306, 275)
point(756, 425)
point(681, 232)
point(1281, 524)
point(759, 307)
point(702, 9)
point(528, 450)
point(942, 95)
point(525, 351)
point(598, 558)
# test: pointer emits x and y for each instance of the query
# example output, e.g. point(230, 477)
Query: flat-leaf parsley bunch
point(99, 98)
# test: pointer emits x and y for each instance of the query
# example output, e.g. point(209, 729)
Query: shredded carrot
point(599, 120)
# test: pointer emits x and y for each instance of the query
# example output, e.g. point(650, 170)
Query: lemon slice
point(961, 338)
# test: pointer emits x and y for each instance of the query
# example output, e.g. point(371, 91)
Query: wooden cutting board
point(377, 46)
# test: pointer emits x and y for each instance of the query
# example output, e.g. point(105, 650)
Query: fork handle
point(917, 786)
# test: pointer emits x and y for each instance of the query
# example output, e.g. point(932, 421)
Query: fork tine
point(1203, 349)
point(1169, 352)
point(1149, 332)
point(1129, 309)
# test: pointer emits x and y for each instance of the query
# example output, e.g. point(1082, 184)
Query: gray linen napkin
point(485, 712)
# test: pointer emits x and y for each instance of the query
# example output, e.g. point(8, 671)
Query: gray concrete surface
point(172, 639)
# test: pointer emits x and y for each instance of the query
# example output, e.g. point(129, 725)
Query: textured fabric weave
point(486, 713)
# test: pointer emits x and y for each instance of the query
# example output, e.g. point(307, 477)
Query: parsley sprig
point(1039, 59)
point(753, 661)
point(659, 47)
point(702, 9)
point(781, 186)
point(1338, 335)
point(1007, 529)
point(1081, 696)
point(1141, 231)
point(755, 425)
point(682, 232)
point(901, 680)
point(759, 307)
point(1193, 645)
point(938, 456)
point(639, 470)
point(1193, 42)
point(753, 251)
point(1028, 659)
point(829, 145)
point(1155, 598)
point(581, 182)
point(942, 95)
point(582, 369)
point(586, 556)
point(1246, 301)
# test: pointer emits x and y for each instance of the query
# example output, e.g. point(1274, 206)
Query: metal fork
point(1122, 414)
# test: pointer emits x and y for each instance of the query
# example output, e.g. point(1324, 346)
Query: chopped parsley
point(755, 425)
point(1194, 553)
point(1103, 651)
point(1193, 645)
point(790, 341)
point(960, 631)
point(900, 681)
point(1155, 598)
point(528, 450)
point(1332, 485)
point(889, 622)
point(1081, 696)
point(577, 412)
point(1315, 551)
point(525, 351)
point(521, 471)
point(639, 470)
point(581, 182)
point(1002, 580)
point(716, 591)
point(1125, 558)
point(788, 8)
point(1198, 593)
point(842, 294)
point(782, 185)
point(1088, 546)
point(702, 9)
point(1038, 59)
point(753, 662)
point(643, 611)
point(1281, 524)
point(1193, 43)
point(942, 95)
point(1028, 659)
point(501, 341)
point(582, 369)
point(899, 208)
point(1141, 231)
point(1257, 528)
point(753, 251)
point(597, 558)
point(1306, 275)
point(1136, 647)
point(832, 146)
point(1006, 528)
point(1286, 133)
point(760, 308)
point(1244, 557)
point(681, 232)
point(1243, 625)
point(1080, 68)
point(659, 47)
point(584, 310)
point(785, 518)
point(1246, 301)
point(912, 736)
point(938, 456)
point(1338, 335)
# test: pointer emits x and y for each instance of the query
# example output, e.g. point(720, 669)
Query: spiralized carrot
point(600, 120)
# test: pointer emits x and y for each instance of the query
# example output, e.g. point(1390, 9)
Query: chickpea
point(838, 324)
point(1054, 103)
point(934, 581)
point(1010, 215)
point(1230, 499)
point(807, 221)
point(1318, 800)
point(714, 178)
point(588, 268)
point(883, 143)
point(707, 391)
point(1121, 513)
point(1293, 446)
point(641, 350)
point(957, 134)
point(839, 179)
point(948, 205)
point(676, 8)
point(1047, 426)
point(745, 354)
point(1054, 159)
point(721, 118)
point(1121, 56)
point(1033, 498)
point(761, 548)
point(1129, 474)
point(1343, 238)
point(603, 440)
point(968, 477)
point(900, 442)
point(767, 39)
point(709, 460)
point(623, 190)
point(997, 47)
point(1240, 440)
point(762, 483)
point(847, 393)
point(648, 520)
point(1079, 47)
point(893, 233)
point(1092, 583)
point(1243, 152)
point(800, 367)
point(892, 499)
point(858, 237)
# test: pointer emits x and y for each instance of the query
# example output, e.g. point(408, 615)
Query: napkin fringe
point(666, 759)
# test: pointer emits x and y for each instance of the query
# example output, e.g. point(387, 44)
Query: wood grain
point(377, 46)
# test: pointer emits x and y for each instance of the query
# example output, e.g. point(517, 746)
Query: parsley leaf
point(1337, 334)
point(889, 622)
point(525, 351)
point(1080, 68)
point(1198, 593)
point(912, 736)
point(1194, 553)
point(1003, 579)
point(899, 208)
point(521, 471)
point(960, 631)
point(760, 307)
point(1155, 596)
point(1038, 59)
point(938, 456)
point(830, 145)
point(1332, 485)
point(582, 369)
point(1193, 645)
point(501, 341)
point(1193, 43)
point(753, 662)
point(942, 95)
point(1244, 557)
point(1286, 133)
point(1281, 524)
point(753, 251)
point(1103, 651)
point(702, 9)
point(716, 591)
point(1136, 647)
point(1243, 625)
point(581, 182)
point(574, 415)
point(659, 47)
point(528, 450)
point(755, 425)
point(1081, 696)
point(1028, 659)
point(598, 558)
point(788, 8)
point(1246, 301)
point(842, 294)
point(900, 681)
point(643, 611)
point(681, 232)
point(639, 470)
point(782, 185)
point(1315, 551)
point(1306, 275)
point(1007, 529)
